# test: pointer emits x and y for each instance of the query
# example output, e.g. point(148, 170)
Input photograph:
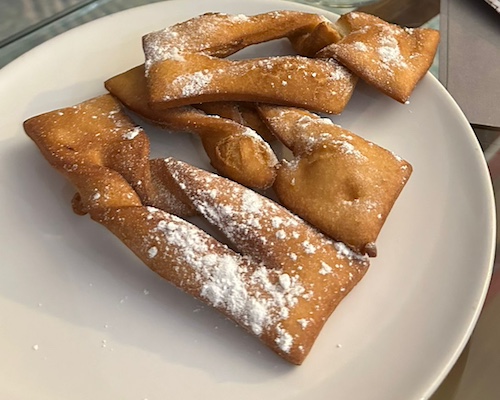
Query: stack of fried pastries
point(286, 277)
point(288, 266)
point(234, 149)
point(185, 65)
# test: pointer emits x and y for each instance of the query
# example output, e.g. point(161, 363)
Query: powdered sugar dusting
point(389, 51)
point(308, 247)
point(131, 134)
point(252, 134)
point(340, 74)
point(309, 139)
point(254, 295)
point(239, 18)
point(303, 322)
point(193, 84)
point(325, 268)
point(227, 280)
point(152, 252)
point(225, 287)
point(349, 149)
point(262, 230)
point(205, 37)
point(284, 339)
point(285, 281)
point(162, 47)
point(359, 46)
point(238, 210)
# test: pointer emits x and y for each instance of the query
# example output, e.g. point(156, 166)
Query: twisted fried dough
point(391, 58)
point(102, 152)
point(235, 150)
point(183, 65)
point(243, 113)
point(309, 43)
point(314, 273)
point(339, 182)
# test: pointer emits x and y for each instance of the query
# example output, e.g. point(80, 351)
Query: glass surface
point(19, 16)
point(42, 30)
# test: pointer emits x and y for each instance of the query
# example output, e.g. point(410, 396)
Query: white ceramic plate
point(82, 318)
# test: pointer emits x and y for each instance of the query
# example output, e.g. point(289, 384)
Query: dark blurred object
point(410, 13)
point(470, 58)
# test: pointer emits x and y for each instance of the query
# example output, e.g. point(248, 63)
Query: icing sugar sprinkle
point(340, 74)
point(265, 145)
point(281, 234)
point(132, 133)
point(285, 281)
point(193, 84)
point(325, 268)
point(152, 252)
point(360, 46)
point(390, 53)
point(276, 221)
point(259, 296)
point(284, 339)
point(348, 148)
point(303, 322)
point(229, 281)
point(308, 247)
point(238, 18)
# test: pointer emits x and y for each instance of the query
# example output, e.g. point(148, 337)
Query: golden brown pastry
point(225, 109)
point(183, 64)
point(284, 287)
point(391, 58)
point(101, 151)
point(243, 113)
point(235, 150)
point(339, 182)
point(222, 35)
point(307, 273)
point(309, 43)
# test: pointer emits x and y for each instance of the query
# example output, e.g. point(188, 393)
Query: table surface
point(25, 24)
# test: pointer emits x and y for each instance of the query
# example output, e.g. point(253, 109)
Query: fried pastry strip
point(316, 84)
point(221, 35)
point(309, 43)
point(243, 113)
point(102, 152)
point(183, 64)
point(391, 58)
point(314, 273)
point(234, 150)
point(339, 182)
